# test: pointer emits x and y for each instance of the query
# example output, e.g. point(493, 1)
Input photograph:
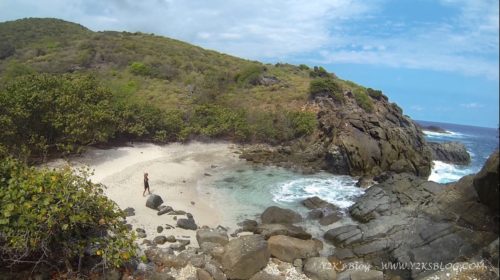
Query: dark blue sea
point(480, 143)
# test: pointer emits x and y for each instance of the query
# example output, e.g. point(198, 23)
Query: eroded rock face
point(405, 218)
point(486, 183)
point(245, 256)
point(450, 152)
point(353, 141)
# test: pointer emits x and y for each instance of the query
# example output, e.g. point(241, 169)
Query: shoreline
point(177, 173)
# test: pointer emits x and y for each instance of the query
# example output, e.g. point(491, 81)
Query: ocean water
point(249, 189)
point(479, 141)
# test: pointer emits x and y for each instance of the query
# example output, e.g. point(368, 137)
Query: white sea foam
point(449, 134)
point(445, 172)
point(339, 190)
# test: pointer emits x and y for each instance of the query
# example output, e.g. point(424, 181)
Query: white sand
point(176, 173)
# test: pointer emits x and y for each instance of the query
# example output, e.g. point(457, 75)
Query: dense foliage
point(59, 217)
point(363, 100)
point(327, 86)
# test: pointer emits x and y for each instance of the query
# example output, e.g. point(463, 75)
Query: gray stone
point(317, 203)
point(245, 256)
point(319, 268)
point(486, 183)
point(171, 239)
point(268, 230)
point(211, 235)
point(248, 225)
point(154, 201)
point(330, 219)
point(277, 215)
point(203, 275)
point(160, 239)
point(187, 224)
point(288, 248)
point(159, 229)
point(451, 152)
point(129, 211)
point(164, 210)
point(367, 275)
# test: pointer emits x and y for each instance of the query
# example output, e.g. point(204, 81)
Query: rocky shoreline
point(401, 220)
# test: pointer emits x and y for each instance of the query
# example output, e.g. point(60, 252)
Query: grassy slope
point(178, 73)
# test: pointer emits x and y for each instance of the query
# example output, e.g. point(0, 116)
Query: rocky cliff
point(406, 220)
point(356, 140)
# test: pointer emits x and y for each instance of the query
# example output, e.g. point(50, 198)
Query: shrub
point(319, 72)
point(363, 100)
point(326, 86)
point(250, 75)
point(58, 217)
point(303, 67)
point(140, 69)
point(302, 123)
point(376, 94)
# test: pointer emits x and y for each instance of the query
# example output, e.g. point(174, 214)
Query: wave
point(447, 134)
point(338, 190)
point(443, 172)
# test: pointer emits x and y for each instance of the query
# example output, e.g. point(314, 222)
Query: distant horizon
point(459, 124)
point(437, 59)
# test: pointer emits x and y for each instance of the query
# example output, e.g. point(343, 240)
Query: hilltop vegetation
point(93, 87)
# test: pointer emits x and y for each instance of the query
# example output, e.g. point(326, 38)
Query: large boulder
point(450, 152)
point(268, 230)
point(277, 215)
point(486, 183)
point(317, 203)
point(288, 248)
point(245, 256)
point(154, 201)
point(319, 268)
point(212, 235)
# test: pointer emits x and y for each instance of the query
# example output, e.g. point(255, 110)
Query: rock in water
point(288, 248)
point(450, 152)
point(319, 268)
point(154, 201)
point(277, 215)
point(316, 203)
point(486, 183)
point(245, 256)
point(211, 235)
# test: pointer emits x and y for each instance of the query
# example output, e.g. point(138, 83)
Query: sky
point(438, 59)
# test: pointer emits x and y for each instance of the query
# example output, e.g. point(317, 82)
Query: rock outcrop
point(486, 183)
point(288, 248)
point(450, 152)
point(354, 140)
point(407, 219)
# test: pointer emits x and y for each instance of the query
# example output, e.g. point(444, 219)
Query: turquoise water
point(251, 189)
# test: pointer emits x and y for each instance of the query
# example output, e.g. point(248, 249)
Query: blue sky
point(438, 59)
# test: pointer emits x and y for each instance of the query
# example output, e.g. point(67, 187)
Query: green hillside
point(153, 88)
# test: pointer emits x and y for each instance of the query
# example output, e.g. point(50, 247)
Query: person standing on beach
point(146, 184)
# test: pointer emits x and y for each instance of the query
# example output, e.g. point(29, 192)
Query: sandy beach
point(177, 173)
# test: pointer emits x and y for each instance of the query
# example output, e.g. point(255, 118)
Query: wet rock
point(450, 152)
point(317, 203)
point(211, 235)
point(330, 219)
point(248, 225)
point(288, 248)
point(365, 182)
point(315, 214)
point(319, 268)
point(154, 201)
point(245, 256)
point(277, 215)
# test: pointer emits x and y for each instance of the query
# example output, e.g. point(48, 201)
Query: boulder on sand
point(212, 235)
point(154, 201)
point(187, 224)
